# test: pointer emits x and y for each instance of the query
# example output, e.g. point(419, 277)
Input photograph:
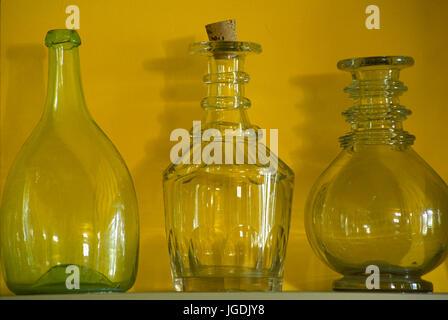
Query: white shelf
point(237, 296)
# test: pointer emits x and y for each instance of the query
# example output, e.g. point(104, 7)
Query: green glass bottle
point(69, 215)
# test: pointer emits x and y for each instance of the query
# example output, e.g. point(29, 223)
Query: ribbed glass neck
point(226, 104)
point(226, 79)
point(377, 115)
point(65, 97)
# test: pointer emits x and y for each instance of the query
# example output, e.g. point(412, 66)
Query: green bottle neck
point(65, 97)
point(225, 104)
point(377, 116)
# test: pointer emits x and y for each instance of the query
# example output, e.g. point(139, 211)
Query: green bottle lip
point(68, 37)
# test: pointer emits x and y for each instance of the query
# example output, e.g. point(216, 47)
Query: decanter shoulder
point(250, 171)
point(379, 172)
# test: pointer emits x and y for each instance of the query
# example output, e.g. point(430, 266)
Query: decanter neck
point(377, 116)
point(225, 104)
point(65, 97)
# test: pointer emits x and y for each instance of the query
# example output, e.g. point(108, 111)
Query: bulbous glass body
point(69, 216)
point(378, 203)
point(227, 223)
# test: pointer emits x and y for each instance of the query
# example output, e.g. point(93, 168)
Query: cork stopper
point(223, 42)
point(222, 31)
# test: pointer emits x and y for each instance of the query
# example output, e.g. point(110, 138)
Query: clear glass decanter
point(378, 203)
point(227, 224)
point(69, 216)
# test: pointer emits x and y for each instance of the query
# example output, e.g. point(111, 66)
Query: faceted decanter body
point(227, 222)
point(69, 216)
point(378, 204)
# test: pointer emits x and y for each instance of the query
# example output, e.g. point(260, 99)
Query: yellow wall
point(140, 83)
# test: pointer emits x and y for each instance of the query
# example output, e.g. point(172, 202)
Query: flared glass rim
point(398, 62)
point(212, 47)
point(61, 36)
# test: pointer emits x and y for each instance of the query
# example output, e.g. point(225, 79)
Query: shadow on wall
point(25, 98)
point(320, 126)
point(182, 93)
point(24, 102)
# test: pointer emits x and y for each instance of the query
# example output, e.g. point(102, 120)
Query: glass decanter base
point(227, 279)
point(388, 283)
point(220, 284)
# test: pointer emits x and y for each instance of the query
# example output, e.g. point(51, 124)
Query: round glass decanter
point(378, 203)
point(227, 224)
